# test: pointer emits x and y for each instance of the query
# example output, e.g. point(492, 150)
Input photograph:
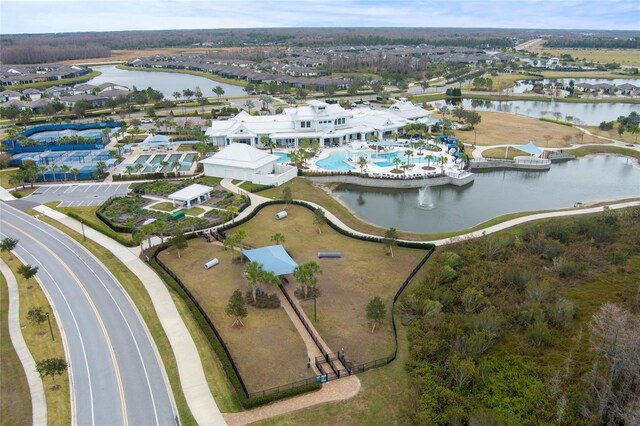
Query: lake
point(166, 82)
point(495, 193)
point(588, 113)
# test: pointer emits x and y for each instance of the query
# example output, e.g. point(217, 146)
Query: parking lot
point(78, 195)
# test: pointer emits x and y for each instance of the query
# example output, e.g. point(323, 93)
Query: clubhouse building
point(330, 124)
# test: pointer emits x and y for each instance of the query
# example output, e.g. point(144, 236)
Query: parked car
point(146, 121)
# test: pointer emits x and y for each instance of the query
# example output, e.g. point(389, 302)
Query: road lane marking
point(135, 341)
point(75, 321)
point(96, 313)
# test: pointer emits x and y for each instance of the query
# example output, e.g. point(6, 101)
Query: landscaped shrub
point(263, 300)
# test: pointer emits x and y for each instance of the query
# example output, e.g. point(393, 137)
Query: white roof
point(406, 109)
point(241, 155)
point(190, 192)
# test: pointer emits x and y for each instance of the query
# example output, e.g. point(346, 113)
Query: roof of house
point(190, 192)
point(241, 155)
point(408, 110)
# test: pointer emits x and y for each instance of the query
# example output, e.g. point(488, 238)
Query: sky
point(48, 16)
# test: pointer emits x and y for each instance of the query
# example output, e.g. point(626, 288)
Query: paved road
point(78, 195)
point(116, 374)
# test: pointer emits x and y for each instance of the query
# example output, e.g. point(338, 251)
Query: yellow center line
point(98, 317)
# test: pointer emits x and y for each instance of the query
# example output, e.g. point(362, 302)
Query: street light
point(83, 236)
point(50, 328)
point(315, 298)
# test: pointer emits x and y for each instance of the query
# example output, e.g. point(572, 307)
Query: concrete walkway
point(192, 379)
point(36, 387)
point(336, 390)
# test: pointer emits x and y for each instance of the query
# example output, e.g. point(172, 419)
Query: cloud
point(18, 16)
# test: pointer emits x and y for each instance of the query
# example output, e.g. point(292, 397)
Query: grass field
point(268, 336)
point(165, 206)
point(5, 175)
point(613, 134)
point(219, 386)
point(40, 345)
point(346, 285)
point(194, 211)
point(620, 56)
point(88, 215)
point(15, 399)
point(616, 150)
point(500, 153)
point(499, 128)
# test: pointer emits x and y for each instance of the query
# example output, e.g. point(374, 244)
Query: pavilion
point(273, 258)
point(192, 194)
point(355, 150)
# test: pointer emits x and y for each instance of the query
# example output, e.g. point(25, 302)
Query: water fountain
point(425, 200)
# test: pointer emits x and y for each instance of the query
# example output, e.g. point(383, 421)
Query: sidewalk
point(192, 379)
point(36, 387)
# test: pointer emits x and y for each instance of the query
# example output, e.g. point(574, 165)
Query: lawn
point(616, 150)
point(219, 386)
point(500, 152)
point(613, 134)
point(40, 345)
point(499, 128)
point(88, 215)
point(15, 399)
point(346, 285)
point(194, 211)
point(5, 175)
point(620, 56)
point(268, 336)
point(165, 206)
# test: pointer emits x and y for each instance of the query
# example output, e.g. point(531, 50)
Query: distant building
point(329, 124)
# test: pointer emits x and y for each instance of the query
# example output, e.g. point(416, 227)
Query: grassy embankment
point(220, 389)
point(207, 75)
point(15, 399)
point(620, 56)
point(615, 150)
point(613, 134)
point(39, 342)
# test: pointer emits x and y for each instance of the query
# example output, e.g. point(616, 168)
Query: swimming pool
point(283, 157)
point(388, 158)
point(335, 161)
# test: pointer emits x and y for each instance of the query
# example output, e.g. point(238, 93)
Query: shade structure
point(530, 148)
point(273, 258)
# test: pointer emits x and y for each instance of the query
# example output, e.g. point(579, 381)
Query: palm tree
point(101, 166)
point(163, 164)
point(253, 271)
point(129, 169)
point(240, 235)
point(138, 167)
point(408, 153)
point(429, 158)
point(232, 211)
point(278, 238)
point(444, 110)
point(175, 166)
point(53, 167)
point(177, 95)
point(249, 105)
point(306, 274)
point(397, 162)
point(41, 170)
point(443, 160)
point(75, 172)
point(64, 169)
point(219, 91)
point(362, 162)
point(266, 100)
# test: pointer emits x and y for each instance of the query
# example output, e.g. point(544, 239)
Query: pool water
point(335, 161)
point(283, 157)
point(389, 157)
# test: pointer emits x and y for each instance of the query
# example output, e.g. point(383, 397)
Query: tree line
point(30, 54)
point(596, 43)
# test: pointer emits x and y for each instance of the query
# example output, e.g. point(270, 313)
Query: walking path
point(36, 387)
point(336, 390)
point(192, 379)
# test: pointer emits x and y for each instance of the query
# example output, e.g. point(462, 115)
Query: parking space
point(78, 195)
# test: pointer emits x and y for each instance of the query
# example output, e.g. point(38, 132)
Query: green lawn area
point(40, 345)
point(218, 384)
point(5, 175)
point(15, 399)
point(346, 285)
point(194, 211)
point(88, 215)
point(254, 187)
point(165, 206)
point(268, 336)
point(23, 192)
point(586, 150)
point(500, 152)
point(64, 81)
point(613, 134)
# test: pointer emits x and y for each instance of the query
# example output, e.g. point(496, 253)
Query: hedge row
point(145, 176)
point(551, 120)
point(217, 346)
point(108, 232)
